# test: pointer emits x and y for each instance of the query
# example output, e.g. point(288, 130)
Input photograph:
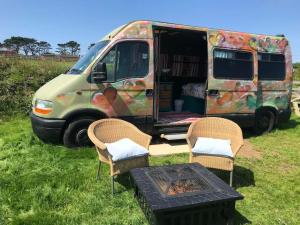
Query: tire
point(264, 121)
point(76, 133)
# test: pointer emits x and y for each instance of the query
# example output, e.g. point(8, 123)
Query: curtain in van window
point(224, 55)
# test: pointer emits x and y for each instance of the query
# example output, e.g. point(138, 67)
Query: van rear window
point(271, 66)
point(232, 64)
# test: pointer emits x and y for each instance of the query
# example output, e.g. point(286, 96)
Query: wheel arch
point(94, 113)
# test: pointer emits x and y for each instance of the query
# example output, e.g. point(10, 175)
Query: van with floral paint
point(163, 76)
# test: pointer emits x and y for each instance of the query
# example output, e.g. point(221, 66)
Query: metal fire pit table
point(184, 194)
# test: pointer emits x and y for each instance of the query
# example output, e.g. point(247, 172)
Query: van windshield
point(83, 62)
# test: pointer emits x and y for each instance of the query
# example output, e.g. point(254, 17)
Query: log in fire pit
point(184, 194)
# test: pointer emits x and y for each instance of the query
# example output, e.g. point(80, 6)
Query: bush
point(20, 78)
point(296, 71)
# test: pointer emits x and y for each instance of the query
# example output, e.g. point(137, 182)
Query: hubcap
point(264, 122)
point(82, 137)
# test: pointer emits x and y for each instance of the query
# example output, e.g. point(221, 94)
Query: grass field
point(47, 184)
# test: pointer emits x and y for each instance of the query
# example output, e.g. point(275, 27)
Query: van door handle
point(215, 93)
point(149, 92)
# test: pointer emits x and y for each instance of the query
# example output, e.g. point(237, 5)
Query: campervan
point(163, 76)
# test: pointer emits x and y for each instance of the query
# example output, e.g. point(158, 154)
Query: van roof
point(183, 26)
point(168, 24)
point(113, 33)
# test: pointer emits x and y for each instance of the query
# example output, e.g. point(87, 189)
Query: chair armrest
point(100, 145)
point(191, 141)
point(190, 137)
point(142, 139)
point(237, 147)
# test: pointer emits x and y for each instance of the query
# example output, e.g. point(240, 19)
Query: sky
point(87, 21)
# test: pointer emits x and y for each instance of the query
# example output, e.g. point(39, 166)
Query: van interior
point(181, 75)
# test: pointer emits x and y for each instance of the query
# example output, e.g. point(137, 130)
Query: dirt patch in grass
point(248, 151)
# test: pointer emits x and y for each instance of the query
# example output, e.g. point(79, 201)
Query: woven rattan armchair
point(111, 130)
point(220, 128)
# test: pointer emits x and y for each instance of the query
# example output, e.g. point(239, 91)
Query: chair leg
point(231, 177)
point(230, 222)
point(130, 183)
point(98, 171)
point(113, 185)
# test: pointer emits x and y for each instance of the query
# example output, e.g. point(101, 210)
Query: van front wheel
point(264, 121)
point(76, 133)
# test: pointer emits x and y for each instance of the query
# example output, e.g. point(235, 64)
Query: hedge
point(20, 78)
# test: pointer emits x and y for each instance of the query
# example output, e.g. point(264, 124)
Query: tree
point(62, 49)
point(91, 45)
point(73, 47)
point(29, 46)
point(68, 48)
point(43, 47)
point(14, 43)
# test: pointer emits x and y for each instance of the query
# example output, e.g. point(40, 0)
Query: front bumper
point(48, 130)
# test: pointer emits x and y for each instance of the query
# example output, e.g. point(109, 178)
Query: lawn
point(47, 184)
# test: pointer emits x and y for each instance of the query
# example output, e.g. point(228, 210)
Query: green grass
point(47, 184)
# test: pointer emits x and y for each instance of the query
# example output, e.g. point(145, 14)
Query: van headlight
point(43, 106)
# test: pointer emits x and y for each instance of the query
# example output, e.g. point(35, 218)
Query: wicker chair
point(214, 127)
point(111, 130)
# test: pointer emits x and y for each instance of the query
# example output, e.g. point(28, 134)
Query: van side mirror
point(99, 73)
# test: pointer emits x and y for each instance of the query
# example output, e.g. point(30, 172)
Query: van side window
point(271, 66)
point(232, 64)
point(132, 59)
point(110, 60)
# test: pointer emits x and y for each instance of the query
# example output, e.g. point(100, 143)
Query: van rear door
point(274, 84)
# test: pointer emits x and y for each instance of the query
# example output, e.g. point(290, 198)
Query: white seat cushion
point(125, 149)
point(212, 146)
